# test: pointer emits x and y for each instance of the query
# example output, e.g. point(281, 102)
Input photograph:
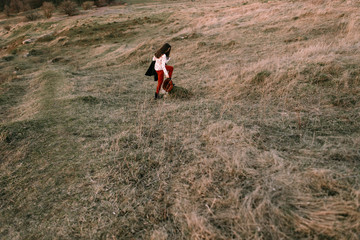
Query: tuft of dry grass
point(48, 9)
point(32, 15)
point(180, 93)
point(69, 7)
point(87, 5)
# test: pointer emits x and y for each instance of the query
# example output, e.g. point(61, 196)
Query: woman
point(162, 56)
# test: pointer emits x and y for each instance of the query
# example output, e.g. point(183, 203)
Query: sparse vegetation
point(46, 38)
point(48, 9)
point(26, 5)
point(34, 4)
point(7, 27)
point(259, 138)
point(87, 5)
point(100, 3)
point(7, 11)
point(69, 7)
point(16, 6)
point(32, 15)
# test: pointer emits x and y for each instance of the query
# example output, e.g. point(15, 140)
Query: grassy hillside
point(260, 139)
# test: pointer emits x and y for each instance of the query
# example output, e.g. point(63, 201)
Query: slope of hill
point(264, 145)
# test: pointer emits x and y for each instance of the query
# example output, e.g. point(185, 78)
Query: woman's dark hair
point(165, 49)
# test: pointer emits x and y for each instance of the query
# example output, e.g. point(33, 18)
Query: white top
point(160, 64)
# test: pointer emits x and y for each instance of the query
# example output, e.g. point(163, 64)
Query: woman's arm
point(163, 66)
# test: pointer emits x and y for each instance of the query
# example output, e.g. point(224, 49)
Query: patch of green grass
point(22, 30)
point(86, 35)
point(95, 33)
point(15, 132)
point(8, 58)
point(11, 94)
point(44, 25)
point(46, 38)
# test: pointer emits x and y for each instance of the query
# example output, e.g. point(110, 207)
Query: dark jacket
point(151, 71)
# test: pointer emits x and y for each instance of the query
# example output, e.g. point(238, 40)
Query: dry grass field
point(260, 139)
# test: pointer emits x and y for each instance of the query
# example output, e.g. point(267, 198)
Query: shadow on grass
point(180, 93)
